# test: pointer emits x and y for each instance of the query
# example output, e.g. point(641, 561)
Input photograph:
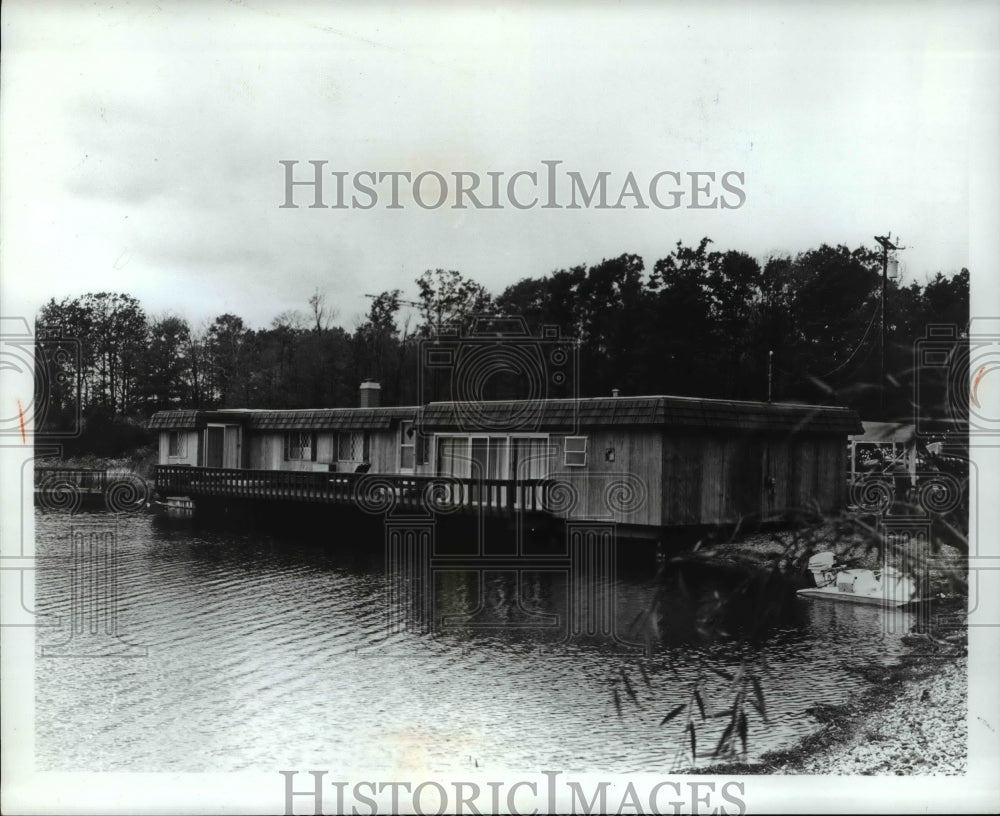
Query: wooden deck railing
point(373, 492)
point(83, 479)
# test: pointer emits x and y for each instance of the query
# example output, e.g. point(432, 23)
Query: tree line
point(698, 322)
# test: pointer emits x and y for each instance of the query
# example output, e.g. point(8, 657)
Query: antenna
point(418, 306)
point(398, 300)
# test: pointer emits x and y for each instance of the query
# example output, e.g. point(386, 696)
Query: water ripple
point(268, 652)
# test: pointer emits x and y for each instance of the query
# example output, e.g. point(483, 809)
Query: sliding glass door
point(222, 446)
point(493, 458)
point(453, 456)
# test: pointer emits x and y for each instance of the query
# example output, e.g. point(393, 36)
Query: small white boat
point(864, 586)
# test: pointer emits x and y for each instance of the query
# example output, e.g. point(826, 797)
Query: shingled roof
point(562, 415)
point(663, 411)
point(177, 420)
point(318, 419)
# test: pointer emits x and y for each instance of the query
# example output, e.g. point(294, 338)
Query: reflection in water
point(265, 652)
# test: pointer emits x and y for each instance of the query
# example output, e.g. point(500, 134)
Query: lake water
point(252, 650)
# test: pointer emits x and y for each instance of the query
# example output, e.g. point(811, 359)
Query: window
point(529, 457)
point(489, 457)
point(453, 456)
point(177, 445)
point(492, 457)
point(575, 451)
point(299, 446)
point(352, 446)
point(407, 446)
point(414, 447)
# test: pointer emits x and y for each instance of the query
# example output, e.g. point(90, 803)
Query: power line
point(437, 308)
point(857, 348)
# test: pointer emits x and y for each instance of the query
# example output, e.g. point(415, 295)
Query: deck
point(83, 480)
point(60, 488)
point(371, 492)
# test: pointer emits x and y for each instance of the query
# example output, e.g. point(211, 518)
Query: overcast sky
point(141, 143)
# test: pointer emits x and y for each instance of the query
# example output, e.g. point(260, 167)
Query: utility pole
point(770, 365)
point(886, 242)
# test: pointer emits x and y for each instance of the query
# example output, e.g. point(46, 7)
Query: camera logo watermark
point(957, 381)
point(92, 569)
point(496, 359)
point(956, 407)
point(53, 361)
point(43, 372)
point(413, 569)
point(501, 404)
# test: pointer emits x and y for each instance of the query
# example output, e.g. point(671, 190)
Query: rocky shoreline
point(912, 722)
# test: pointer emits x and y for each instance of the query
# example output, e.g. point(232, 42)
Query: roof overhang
point(558, 416)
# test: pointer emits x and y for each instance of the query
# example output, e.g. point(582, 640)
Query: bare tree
point(323, 315)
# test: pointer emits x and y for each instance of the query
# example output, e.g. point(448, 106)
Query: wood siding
point(713, 478)
point(659, 477)
point(266, 451)
point(625, 490)
point(191, 440)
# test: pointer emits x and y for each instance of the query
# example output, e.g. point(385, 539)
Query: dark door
point(214, 446)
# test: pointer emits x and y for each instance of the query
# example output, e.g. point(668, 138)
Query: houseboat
point(646, 463)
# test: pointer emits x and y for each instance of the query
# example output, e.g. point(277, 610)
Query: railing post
point(495, 496)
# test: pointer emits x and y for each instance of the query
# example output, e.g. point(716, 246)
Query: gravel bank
point(912, 722)
point(917, 726)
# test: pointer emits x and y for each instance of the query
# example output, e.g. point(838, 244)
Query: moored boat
point(887, 587)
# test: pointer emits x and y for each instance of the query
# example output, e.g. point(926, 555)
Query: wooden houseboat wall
point(643, 462)
point(489, 455)
point(335, 440)
point(332, 451)
point(612, 474)
point(712, 478)
point(677, 461)
point(200, 438)
point(180, 447)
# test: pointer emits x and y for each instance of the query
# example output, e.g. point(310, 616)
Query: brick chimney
point(371, 394)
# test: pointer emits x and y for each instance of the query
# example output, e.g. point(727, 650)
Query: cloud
point(156, 136)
